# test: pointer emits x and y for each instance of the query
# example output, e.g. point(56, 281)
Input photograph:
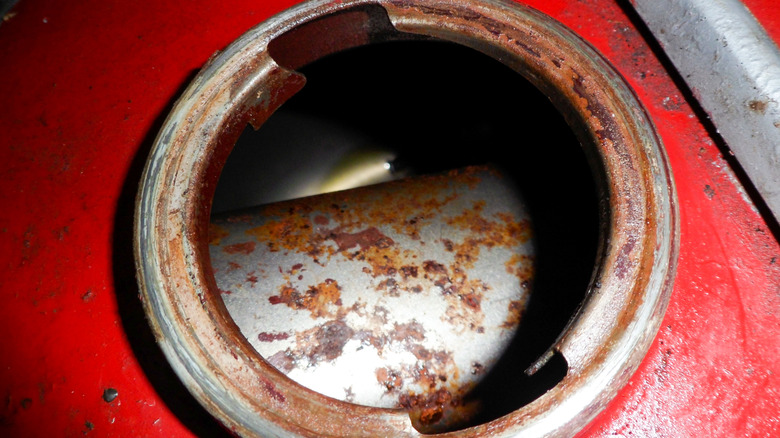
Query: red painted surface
point(84, 88)
point(768, 15)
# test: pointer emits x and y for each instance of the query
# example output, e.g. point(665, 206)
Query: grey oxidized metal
point(401, 295)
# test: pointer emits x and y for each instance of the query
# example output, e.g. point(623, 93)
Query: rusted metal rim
point(604, 342)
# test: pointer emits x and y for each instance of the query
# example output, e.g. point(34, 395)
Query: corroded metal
point(401, 295)
point(603, 343)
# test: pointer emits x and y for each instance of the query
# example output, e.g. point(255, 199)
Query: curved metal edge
point(596, 374)
point(186, 350)
point(163, 310)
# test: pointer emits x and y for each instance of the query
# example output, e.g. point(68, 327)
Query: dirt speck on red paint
point(110, 394)
point(661, 371)
point(240, 248)
point(709, 191)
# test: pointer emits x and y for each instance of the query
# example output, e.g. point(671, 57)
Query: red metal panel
point(84, 88)
point(767, 14)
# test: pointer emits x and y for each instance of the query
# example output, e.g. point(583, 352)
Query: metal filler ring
point(603, 343)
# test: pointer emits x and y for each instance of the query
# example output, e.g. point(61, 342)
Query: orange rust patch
point(317, 299)
point(504, 232)
point(293, 232)
point(240, 248)
point(389, 379)
point(429, 408)
point(216, 234)
point(357, 226)
point(515, 308)
point(520, 266)
point(370, 237)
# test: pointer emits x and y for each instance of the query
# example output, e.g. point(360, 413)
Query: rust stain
point(427, 408)
point(324, 342)
point(502, 232)
point(272, 391)
point(240, 248)
point(623, 259)
point(408, 271)
point(439, 400)
point(516, 308)
point(251, 278)
point(331, 338)
point(283, 361)
point(440, 410)
point(408, 331)
point(368, 238)
point(521, 266)
point(317, 299)
point(758, 106)
point(357, 225)
point(271, 337)
point(293, 232)
point(216, 234)
point(389, 379)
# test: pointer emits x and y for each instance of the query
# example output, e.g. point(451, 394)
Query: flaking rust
point(398, 295)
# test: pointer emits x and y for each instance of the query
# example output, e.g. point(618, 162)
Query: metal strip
point(733, 68)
